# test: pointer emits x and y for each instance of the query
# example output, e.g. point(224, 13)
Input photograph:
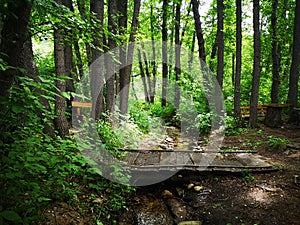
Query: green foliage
point(276, 143)
point(140, 115)
point(247, 175)
point(167, 113)
point(233, 127)
point(37, 170)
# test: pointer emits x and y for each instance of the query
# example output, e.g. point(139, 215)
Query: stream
point(174, 201)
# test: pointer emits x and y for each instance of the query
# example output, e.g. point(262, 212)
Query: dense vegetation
point(47, 47)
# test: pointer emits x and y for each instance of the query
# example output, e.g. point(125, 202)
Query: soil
point(261, 198)
point(228, 198)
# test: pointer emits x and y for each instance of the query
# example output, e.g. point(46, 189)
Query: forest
point(85, 82)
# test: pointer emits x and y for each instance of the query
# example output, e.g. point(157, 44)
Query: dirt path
point(266, 198)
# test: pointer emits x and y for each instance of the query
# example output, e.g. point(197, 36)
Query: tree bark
point(110, 76)
point(199, 32)
point(253, 120)
point(153, 62)
point(294, 72)
point(238, 70)
point(97, 66)
point(220, 42)
point(143, 77)
point(125, 78)
point(61, 122)
point(13, 37)
point(177, 56)
point(275, 55)
point(164, 54)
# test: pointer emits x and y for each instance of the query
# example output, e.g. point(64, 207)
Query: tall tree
point(153, 61)
point(68, 52)
point(294, 72)
point(253, 120)
point(177, 55)
point(97, 75)
point(125, 77)
point(199, 31)
point(61, 122)
point(220, 42)
point(110, 77)
point(275, 55)
point(164, 53)
point(13, 37)
point(237, 80)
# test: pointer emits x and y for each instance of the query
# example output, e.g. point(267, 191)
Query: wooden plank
point(226, 161)
point(82, 104)
point(183, 158)
point(141, 158)
point(131, 157)
point(153, 158)
point(167, 158)
point(250, 160)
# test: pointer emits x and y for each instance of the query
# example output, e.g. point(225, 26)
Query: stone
point(177, 208)
point(198, 188)
point(167, 194)
point(190, 186)
point(169, 139)
point(179, 191)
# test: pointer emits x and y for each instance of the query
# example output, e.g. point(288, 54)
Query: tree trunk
point(148, 75)
point(13, 37)
point(238, 70)
point(143, 77)
point(97, 67)
point(253, 120)
point(294, 72)
point(110, 76)
point(153, 62)
point(220, 41)
point(125, 78)
point(199, 31)
point(69, 64)
point(61, 122)
point(164, 54)
point(177, 56)
point(275, 56)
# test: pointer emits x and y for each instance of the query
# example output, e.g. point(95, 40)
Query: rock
point(190, 223)
point(150, 210)
point(169, 139)
point(166, 194)
point(190, 186)
point(177, 208)
point(198, 188)
point(179, 191)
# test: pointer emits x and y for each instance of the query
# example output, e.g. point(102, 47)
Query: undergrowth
point(38, 170)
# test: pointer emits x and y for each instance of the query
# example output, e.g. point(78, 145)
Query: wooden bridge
point(223, 161)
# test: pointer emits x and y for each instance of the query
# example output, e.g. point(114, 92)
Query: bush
point(276, 143)
point(37, 170)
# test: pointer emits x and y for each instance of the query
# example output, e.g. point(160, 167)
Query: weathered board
point(159, 160)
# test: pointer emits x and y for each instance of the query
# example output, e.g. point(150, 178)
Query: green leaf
point(11, 216)
point(44, 199)
point(17, 108)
